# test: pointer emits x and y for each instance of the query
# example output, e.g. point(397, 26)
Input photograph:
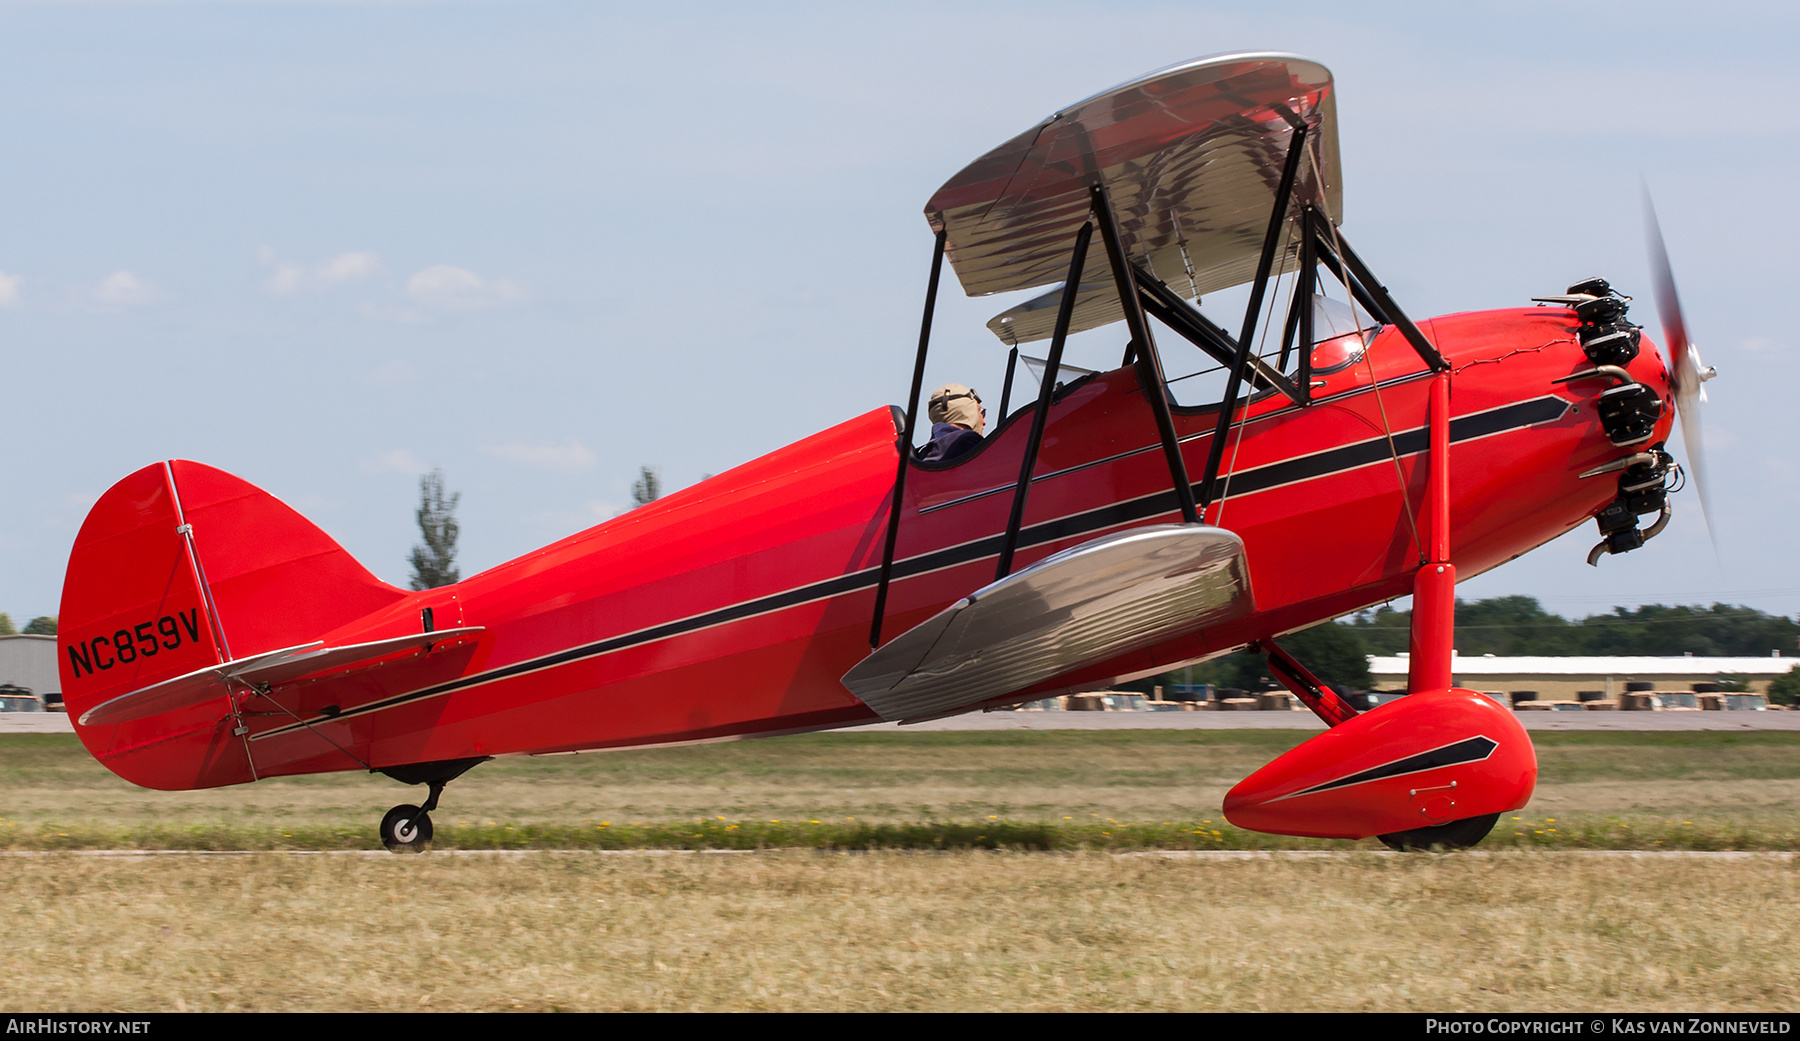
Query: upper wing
point(1191, 156)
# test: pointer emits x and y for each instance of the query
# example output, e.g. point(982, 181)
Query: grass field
point(895, 876)
point(989, 931)
point(1032, 790)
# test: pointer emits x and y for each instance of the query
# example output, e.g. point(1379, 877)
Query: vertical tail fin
point(134, 609)
point(180, 566)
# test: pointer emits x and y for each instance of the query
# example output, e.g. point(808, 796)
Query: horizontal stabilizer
point(274, 667)
point(1103, 598)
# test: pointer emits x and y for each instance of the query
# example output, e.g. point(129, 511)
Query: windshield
point(1339, 340)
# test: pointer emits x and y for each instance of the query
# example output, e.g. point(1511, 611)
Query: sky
point(329, 246)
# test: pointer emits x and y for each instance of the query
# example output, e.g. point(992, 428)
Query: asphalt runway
point(58, 723)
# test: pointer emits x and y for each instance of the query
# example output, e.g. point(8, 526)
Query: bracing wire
point(1387, 428)
point(1236, 430)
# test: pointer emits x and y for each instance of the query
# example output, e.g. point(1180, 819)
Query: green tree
point(1501, 625)
point(434, 560)
point(1333, 652)
point(1658, 630)
point(1511, 626)
point(647, 488)
point(1518, 625)
point(1383, 630)
point(1785, 688)
point(42, 625)
point(6, 625)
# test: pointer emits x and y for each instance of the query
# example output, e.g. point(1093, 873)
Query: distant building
point(29, 663)
point(1563, 678)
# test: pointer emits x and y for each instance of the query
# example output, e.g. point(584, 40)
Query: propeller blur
point(1689, 373)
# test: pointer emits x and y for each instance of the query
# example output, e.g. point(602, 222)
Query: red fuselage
point(733, 607)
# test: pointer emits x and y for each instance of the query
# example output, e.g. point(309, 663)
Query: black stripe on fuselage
point(1468, 428)
point(1468, 750)
point(1289, 471)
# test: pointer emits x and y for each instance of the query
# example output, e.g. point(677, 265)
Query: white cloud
point(399, 460)
point(568, 457)
point(460, 289)
point(287, 278)
point(123, 289)
point(1758, 344)
point(346, 266)
point(292, 278)
point(9, 289)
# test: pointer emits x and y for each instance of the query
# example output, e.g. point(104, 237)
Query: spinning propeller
point(1689, 373)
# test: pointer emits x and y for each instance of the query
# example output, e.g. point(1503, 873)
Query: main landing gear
point(1432, 770)
point(1454, 835)
point(407, 828)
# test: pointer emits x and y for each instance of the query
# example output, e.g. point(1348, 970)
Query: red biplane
point(211, 636)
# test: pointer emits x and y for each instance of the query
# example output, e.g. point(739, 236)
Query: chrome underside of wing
point(1191, 156)
point(1115, 594)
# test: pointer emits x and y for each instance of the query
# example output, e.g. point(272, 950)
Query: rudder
point(180, 566)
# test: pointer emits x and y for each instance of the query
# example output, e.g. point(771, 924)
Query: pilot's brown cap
point(955, 403)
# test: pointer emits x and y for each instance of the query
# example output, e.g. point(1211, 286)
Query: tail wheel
point(1454, 835)
point(406, 829)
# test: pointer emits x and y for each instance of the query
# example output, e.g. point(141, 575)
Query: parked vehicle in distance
point(14, 698)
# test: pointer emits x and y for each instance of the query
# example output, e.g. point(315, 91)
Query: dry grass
point(1043, 790)
point(1515, 930)
point(879, 777)
point(958, 931)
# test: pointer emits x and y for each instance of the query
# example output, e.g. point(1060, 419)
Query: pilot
point(957, 422)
